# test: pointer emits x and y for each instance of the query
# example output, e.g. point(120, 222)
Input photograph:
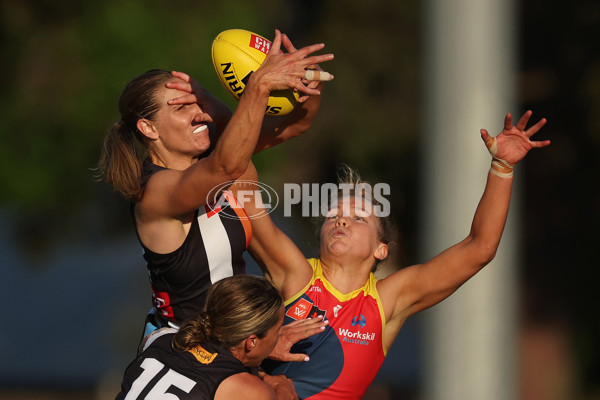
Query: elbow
point(226, 169)
point(483, 253)
point(230, 172)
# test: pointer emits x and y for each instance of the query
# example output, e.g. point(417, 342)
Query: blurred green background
point(75, 287)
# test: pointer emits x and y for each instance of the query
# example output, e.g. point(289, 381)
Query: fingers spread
point(535, 128)
point(523, 121)
point(508, 121)
point(276, 44)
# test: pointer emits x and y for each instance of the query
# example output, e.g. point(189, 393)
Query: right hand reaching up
point(282, 71)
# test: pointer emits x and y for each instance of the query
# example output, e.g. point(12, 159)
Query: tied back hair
point(125, 147)
point(236, 308)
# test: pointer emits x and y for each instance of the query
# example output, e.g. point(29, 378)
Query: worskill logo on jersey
point(359, 320)
point(357, 336)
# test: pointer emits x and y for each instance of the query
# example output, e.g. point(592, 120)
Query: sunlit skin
point(350, 237)
point(190, 117)
point(350, 244)
point(252, 351)
point(176, 138)
point(179, 133)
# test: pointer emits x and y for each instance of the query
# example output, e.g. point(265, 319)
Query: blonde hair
point(386, 230)
point(125, 148)
point(236, 308)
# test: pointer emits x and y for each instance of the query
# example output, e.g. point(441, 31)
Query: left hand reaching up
point(513, 143)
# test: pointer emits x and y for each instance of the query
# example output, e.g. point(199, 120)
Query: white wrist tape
point(499, 166)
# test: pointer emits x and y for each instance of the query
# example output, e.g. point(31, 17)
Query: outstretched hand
point(287, 43)
point(281, 70)
point(291, 334)
point(513, 143)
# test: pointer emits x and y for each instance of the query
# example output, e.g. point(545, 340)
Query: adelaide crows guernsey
point(163, 372)
point(345, 358)
point(213, 250)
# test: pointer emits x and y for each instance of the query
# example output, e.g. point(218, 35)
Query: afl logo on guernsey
point(304, 309)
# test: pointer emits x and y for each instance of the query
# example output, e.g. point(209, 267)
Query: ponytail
point(236, 308)
point(121, 162)
point(193, 332)
point(121, 159)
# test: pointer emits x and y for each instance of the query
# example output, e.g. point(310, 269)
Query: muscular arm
point(183, 192)
point(172, 195)
point(244, 386)
point(281, 260)
point(418, 287)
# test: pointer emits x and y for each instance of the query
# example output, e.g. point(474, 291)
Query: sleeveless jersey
point(345, 358)
point(161, 372)
point(212, 250)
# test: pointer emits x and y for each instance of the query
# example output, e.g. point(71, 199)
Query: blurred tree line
point(65, 64)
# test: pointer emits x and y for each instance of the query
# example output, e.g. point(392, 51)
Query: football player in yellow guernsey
point(366, 314)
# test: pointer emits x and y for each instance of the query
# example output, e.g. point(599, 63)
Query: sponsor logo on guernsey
point(316, 311)
point(202, 355)
point(304, 309)
point(336, 310)
point(359, 320)
point(357, 336)
point(162, 302)
point(300, 310)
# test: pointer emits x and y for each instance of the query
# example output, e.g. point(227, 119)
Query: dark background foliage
point(65, 64)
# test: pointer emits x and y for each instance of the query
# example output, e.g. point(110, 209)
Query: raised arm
point(183, 192)
point(278, 129)
point(274, 129)
point(418, 287)
point(277, 255)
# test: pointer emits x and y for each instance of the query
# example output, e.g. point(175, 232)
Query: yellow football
point(236, 54)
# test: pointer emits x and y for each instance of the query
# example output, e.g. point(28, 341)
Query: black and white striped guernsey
point(163, 372)
point(212, 250)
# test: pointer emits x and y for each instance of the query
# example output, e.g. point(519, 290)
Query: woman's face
point(350, 229)
point(182, 129)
